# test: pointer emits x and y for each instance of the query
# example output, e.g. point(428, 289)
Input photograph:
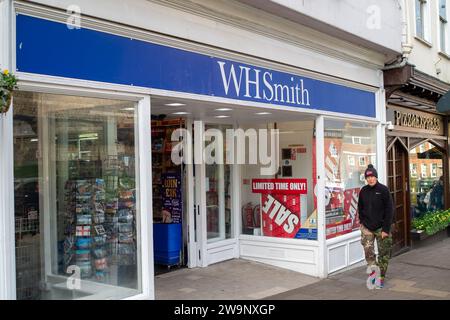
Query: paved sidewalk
point(230, 280)
point(420, 274)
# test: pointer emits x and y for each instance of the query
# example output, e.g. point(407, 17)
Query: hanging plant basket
point(5, 102)
point(8, 83)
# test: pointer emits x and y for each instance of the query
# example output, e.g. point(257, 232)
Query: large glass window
point(345, 141)
point(75, 197)
point(427, 189)
point(283, 204)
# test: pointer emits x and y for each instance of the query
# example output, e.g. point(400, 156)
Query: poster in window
point(172, 198)
point(281, 208)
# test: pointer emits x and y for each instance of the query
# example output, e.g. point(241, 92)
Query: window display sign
point(341, 196)
point(351, 197)
point(279, 186)
point(281, 208)
point(343, 142)
point(172, 199)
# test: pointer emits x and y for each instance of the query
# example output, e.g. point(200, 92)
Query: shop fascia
point(235, 142)
point(264, 87)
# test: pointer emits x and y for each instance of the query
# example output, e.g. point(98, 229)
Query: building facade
point(92, 200)
point(417, 141)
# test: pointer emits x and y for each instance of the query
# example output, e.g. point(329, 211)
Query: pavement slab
point(420, 274)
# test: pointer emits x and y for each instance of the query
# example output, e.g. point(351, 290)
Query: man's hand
point(384, 235)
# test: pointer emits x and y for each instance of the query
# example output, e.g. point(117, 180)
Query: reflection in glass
point(75, 196)
point(426, 179)
point(349, 148)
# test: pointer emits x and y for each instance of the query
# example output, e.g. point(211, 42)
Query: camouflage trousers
point(384, 248)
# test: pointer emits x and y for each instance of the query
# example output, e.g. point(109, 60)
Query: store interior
point(170, 214)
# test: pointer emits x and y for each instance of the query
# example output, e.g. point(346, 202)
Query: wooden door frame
point(406, 188)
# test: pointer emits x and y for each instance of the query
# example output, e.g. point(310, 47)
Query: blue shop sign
point(51, 48)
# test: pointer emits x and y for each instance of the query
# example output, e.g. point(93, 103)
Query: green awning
point(443, 104)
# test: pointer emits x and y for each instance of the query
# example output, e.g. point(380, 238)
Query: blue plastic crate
point(167, 240)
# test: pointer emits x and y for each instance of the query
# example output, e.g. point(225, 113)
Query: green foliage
point(432, 222)
point(8, 83)
point(7, 80)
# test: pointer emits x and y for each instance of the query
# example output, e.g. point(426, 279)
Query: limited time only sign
point(279, 186)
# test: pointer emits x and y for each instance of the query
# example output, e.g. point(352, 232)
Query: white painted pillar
point(381, 136)
point(7, 226)
point(321, 221)
point(145, 196)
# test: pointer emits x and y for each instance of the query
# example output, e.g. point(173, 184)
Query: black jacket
point(375, 207)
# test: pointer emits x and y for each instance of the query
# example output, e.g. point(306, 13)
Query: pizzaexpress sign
point(415, 121)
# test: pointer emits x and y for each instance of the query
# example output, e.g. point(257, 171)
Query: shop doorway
point(169, 201)
point(215, 231)
point(398, 181)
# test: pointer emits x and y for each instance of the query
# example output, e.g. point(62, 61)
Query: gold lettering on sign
point(412, 120)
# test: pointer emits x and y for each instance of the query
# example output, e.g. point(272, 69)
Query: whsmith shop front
point(93, 204)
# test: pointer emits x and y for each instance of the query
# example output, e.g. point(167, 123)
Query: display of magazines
point(100, 225)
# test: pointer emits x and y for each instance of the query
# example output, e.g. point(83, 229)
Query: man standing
point(376, 210)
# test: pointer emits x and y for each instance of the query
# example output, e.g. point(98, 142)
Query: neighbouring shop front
point(417, 149)
point(100, 205)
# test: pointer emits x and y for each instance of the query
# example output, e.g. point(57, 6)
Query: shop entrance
point(192, 207)
point(169, 202)
point(397, 159)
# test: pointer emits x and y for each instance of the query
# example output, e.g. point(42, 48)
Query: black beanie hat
point(370, 171)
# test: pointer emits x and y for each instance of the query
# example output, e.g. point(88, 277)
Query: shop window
point(342, 189)
point(426, 190)
point(290, 213)
point(75, 197)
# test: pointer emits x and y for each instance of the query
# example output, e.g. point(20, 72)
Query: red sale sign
point(281, 215)
point(280, 205)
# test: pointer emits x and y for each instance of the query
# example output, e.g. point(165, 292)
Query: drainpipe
point(406, 46)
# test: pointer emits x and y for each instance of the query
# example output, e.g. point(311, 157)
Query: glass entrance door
point(213, 196)
point(217, 187)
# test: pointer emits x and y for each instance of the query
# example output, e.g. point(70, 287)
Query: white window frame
point(356, 140)
point(414, 170)
point(44, 84)
point(423, 173)
point(426, 27)
point(433, 171)
point(363, 164)
point(443, 22)
point(422, 148)
point(351, 160)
